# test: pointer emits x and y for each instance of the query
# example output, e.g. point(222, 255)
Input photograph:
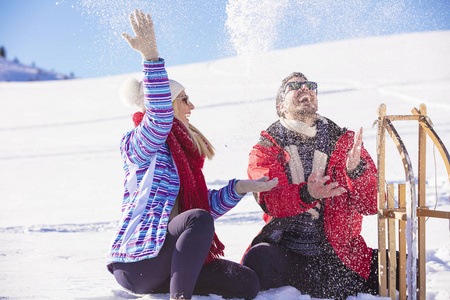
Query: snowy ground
point(61, 174)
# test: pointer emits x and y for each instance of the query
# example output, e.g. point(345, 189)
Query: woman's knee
point(200, 218)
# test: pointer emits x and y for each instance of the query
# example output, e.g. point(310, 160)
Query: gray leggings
point(179, 267)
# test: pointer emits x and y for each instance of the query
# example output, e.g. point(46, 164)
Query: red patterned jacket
point(342, 214)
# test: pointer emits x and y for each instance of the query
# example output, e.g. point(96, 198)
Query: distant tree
point(3, 52)
point(72, 75)
point(16, 60)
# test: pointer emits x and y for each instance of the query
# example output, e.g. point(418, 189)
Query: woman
point(166, 241)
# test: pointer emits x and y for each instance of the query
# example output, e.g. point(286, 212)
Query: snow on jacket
point(342, 214)
point(151, 179)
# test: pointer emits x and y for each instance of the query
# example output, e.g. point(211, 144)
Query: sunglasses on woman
point(295, 85)
point(185, 99)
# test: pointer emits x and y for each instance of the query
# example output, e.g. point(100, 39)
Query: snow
point(61, 173)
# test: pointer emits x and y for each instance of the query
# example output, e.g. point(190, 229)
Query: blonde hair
point(204, 146)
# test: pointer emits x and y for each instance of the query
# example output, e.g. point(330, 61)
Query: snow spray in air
point(252, 24)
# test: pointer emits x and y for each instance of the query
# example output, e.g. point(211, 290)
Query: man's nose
point(304, 87)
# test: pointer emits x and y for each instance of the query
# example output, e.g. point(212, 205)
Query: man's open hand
point(318, 190)
point(354, 156)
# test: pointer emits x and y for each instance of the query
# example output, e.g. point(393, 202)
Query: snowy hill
point(62, 179)
point(15, 71)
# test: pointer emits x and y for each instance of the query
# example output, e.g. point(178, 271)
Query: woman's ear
point(175, 106)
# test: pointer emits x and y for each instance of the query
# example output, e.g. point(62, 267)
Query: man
point(327, 181)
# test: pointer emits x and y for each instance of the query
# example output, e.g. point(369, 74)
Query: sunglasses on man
point(295, 85)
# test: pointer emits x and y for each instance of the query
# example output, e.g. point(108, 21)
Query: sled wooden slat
point(403, 118)
point(402, 243)
point(421, 183)
point(395, 213)
point(392, 244)
point(381, 152)
point(426, 212)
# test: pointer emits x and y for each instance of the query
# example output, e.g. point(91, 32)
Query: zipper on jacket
point(334, 179)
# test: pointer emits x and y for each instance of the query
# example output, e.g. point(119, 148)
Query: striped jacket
point(151, 178)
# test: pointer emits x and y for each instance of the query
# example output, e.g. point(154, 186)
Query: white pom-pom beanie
point(131, 92)
point(175, 88)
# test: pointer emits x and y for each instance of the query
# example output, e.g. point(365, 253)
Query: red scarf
point(193, 192)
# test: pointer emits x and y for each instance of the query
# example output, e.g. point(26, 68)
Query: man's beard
point(306, 112)
point(302, 113)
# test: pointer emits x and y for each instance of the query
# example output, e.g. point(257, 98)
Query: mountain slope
point(15, 71)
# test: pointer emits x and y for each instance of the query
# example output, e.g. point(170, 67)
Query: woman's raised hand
point(145, 40)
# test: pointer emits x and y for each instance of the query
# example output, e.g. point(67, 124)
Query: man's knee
point(264, 259)
point(255, 256)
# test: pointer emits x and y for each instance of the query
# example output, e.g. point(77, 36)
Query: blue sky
point(83, 36)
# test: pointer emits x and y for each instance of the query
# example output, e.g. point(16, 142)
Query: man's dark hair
point(280, 94)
